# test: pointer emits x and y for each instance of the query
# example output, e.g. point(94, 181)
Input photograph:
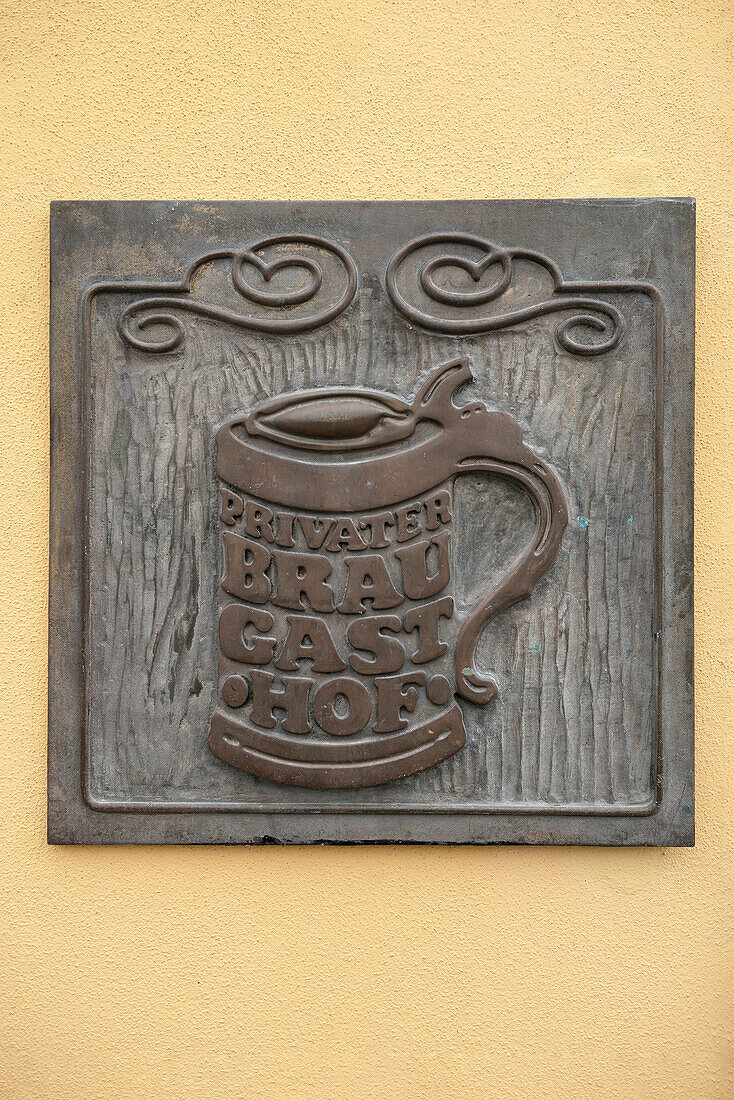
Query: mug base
point(303, 762)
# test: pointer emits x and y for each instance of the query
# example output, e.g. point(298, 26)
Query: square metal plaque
point(372, 522)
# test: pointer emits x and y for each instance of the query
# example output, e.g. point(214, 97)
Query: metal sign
point(374, 524)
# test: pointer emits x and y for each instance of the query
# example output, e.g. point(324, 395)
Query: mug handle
point(551, 515)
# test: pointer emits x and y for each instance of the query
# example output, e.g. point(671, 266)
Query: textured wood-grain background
point(574, 719)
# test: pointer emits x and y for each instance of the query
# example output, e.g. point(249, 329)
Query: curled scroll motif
point(328, 301)
point(498, 262)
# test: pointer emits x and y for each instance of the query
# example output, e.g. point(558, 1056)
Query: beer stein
point(343, 655)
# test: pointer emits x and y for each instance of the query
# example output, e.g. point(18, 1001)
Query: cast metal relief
point(372, 524)
point(343, 570)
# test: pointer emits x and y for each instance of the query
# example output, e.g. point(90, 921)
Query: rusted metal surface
point(376, 537)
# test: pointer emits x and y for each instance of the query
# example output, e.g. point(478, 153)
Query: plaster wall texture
point(386, 972)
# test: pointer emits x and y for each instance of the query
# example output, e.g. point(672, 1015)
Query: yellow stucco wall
point(385, 973)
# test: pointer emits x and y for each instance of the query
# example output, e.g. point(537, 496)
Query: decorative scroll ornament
point(154, 310)
point(604, 318)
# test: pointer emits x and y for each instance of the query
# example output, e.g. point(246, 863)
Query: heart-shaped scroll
point(423, 300)
point(157, 310)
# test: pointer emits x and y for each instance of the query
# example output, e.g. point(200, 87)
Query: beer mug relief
point(372, 522)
